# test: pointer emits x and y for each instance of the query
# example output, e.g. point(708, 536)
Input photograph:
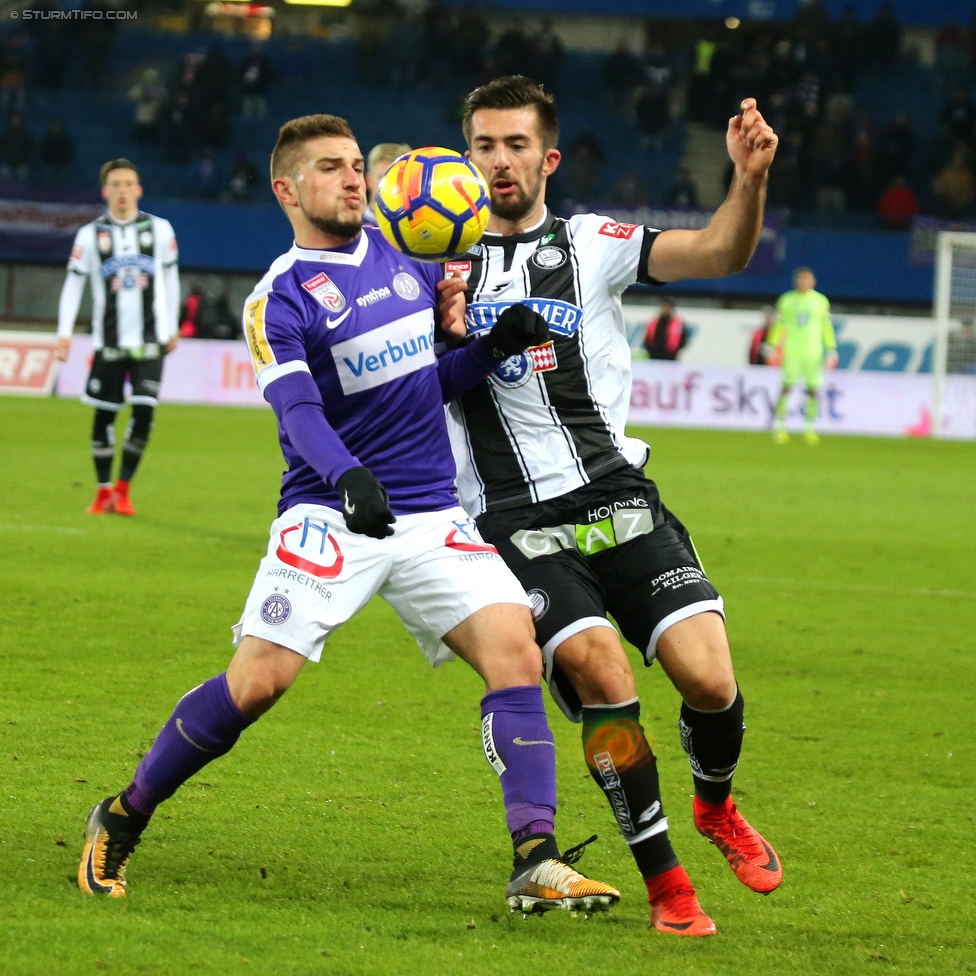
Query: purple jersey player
point(342, 332)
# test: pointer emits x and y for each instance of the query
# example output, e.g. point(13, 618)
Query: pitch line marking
point(861, 587)
point(64, 530)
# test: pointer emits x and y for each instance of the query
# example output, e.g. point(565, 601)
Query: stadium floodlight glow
point(320, 3)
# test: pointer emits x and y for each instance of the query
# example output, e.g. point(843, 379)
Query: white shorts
point(435, 571)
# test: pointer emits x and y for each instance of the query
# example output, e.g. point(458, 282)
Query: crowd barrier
point(668, 394)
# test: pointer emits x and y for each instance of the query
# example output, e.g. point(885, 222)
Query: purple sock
point(204, 725)
point(519, 746)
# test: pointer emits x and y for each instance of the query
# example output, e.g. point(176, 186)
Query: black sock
point(103, 445)
point(136, 438)
point(712, 742)
point(623, 766)
point(531, 850)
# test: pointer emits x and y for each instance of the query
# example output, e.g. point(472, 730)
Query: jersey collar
point(354, 257)
point(527, 236)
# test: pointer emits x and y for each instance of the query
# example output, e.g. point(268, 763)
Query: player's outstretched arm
point(517, 328)
point(728, 242)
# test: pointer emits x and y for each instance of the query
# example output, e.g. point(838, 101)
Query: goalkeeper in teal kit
point(803, 339)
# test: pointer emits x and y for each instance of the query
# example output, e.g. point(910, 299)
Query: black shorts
point(609, 548)
point(105, 388)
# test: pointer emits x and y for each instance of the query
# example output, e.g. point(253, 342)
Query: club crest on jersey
point(105, 241)
point(145, 238)
point(276, 609)
point(324, 290)
point(406, 286)
point(461, 268)
point(548, 258)
point(309, 552)
point(622, 232)
point(517, 370)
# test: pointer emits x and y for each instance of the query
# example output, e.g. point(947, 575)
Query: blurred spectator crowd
point(841, 151)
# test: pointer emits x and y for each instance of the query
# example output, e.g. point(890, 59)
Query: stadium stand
point(852, 128)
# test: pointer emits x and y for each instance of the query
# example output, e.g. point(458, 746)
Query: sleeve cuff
point(271, 373)
point(643, 278)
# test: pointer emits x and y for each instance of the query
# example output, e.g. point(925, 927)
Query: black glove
point(517, 328)
point(365, 503)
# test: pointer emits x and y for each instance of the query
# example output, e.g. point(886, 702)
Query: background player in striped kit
point(545, 466)
point(341, 334)
point(130, 259)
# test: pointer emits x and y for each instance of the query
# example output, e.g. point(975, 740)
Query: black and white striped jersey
point(552, 419)
point(135, 285)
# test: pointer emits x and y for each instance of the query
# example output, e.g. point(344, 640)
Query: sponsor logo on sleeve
point(460, 269)
point(77, 252)
point(325, 291)
point(622, 232)
point(387, 353)
point(257, 341)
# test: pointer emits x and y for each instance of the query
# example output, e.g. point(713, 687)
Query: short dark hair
point(514, 91)
point(803, 269)
point(114, 164)
point(294, 134)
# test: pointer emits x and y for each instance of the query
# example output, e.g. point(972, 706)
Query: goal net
point(955, 317)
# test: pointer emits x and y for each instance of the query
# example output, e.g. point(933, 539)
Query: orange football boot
point(752, 858)
point(103, 501)
point(674, 905)
point(122, 505)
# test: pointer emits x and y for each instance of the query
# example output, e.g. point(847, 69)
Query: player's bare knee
point(597, 666)
point(517, 661)
point(710, 691)
point(260, 673)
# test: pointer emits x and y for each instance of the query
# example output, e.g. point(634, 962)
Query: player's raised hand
point(452, 305)
point(365, 503)
point(751, 140)
point(517, 328)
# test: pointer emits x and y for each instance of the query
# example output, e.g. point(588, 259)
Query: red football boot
point(674, 905)
point(103, 501)
point(122, 505)
point(752, 858)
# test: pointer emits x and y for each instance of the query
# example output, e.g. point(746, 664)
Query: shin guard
point(623, 766)
point(713, 741)
point(519, 747)
point(204, 725)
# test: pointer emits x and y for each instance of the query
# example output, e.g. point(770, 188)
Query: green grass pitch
point(357, 828)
